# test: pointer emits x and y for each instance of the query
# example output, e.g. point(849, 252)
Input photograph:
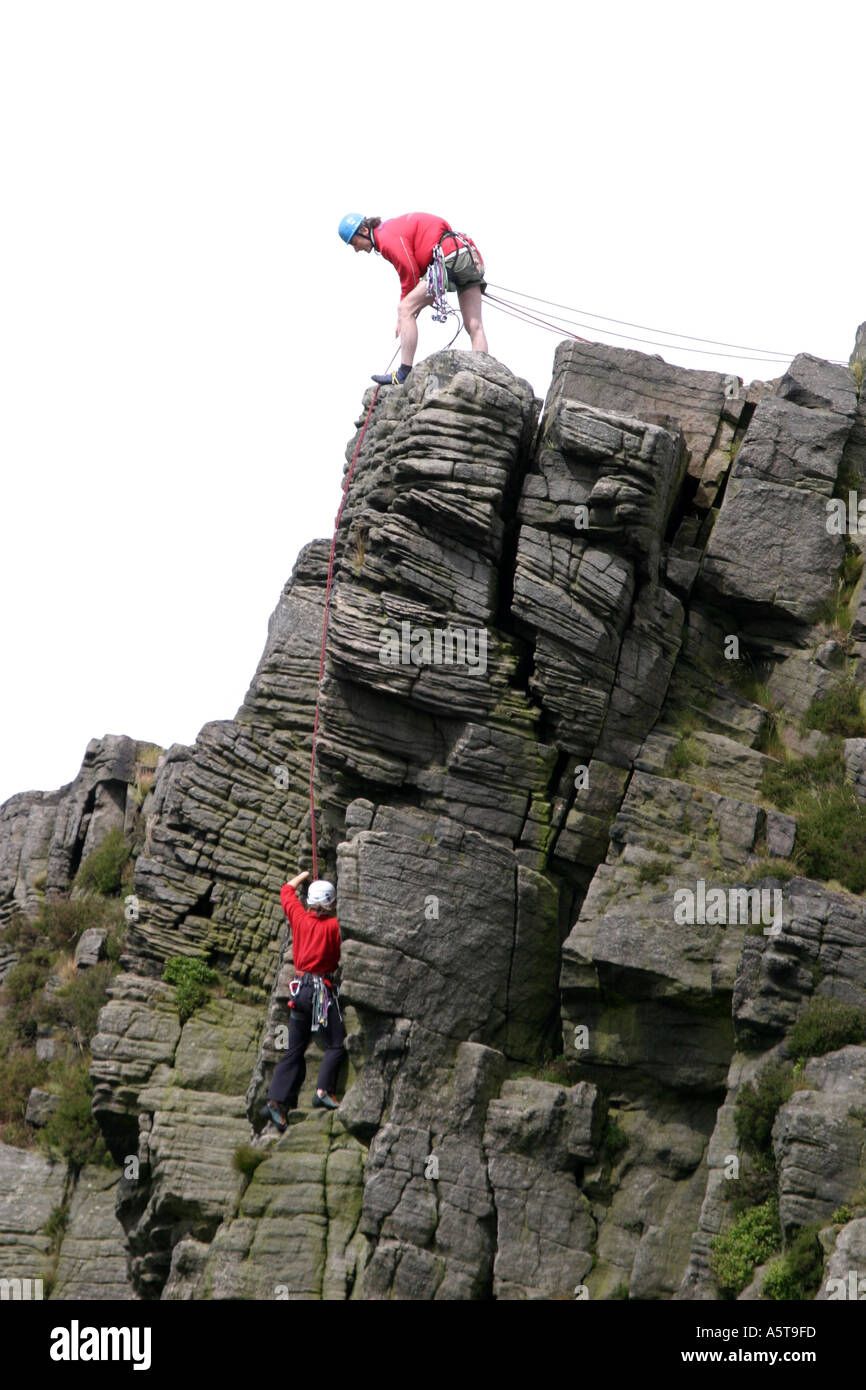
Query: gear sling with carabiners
point(437, 272)
point(325, 993)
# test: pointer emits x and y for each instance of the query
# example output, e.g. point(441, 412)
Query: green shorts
point(463, 272)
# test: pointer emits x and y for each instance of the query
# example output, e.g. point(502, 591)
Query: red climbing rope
point(325, 628)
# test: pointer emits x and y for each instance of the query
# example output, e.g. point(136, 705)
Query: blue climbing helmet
point(349, 225)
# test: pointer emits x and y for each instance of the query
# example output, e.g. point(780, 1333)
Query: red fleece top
point(315, 940)
point(408, 242)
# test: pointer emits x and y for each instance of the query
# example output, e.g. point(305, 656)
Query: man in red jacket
point(312, 998)
point(409, 242)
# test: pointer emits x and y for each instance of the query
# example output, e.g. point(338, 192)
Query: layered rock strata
point(525, 604)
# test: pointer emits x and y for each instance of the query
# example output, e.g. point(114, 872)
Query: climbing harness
point(325, 629)
point(437, 275)
point(325, 993)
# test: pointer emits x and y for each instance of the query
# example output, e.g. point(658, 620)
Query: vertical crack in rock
point(515, 917)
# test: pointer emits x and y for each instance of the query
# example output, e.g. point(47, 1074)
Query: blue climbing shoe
point(325, 1102)
point(276, 1115)
point(395, 378)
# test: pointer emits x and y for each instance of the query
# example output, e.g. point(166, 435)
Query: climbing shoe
point(395, 378)
point(276, 1115)
point(325, 1102)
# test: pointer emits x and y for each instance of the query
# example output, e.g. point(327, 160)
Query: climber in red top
point(409, 242)
point(313, 998)
point(315, 929)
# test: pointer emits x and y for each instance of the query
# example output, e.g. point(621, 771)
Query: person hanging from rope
point(430, 258)
point(313, 998)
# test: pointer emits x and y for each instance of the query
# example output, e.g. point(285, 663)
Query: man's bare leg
point(407, 327)
point(469, 300)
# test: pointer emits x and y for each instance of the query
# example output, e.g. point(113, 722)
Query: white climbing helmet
point(321, 894)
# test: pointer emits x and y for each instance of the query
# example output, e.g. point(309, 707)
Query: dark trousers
point(290, 1072)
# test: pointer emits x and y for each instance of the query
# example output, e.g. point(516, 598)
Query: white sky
point(184, 340)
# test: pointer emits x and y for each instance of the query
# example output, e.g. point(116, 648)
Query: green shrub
point(143, 784)
point(777, 1282)
point(831, 839)
point(55, 1226)
point(246, 1159)
point(20, 933)
point(769, 739)
point(114, 944)
point(39, 940)
point(831, 823)
point(23, 997)
point(77, 1004)
point(18, 1134)
point(191, 978)
point(755, 1185)
point(615, 1139)
point(554, 1067)
point(684, 754)
point(852, 564)
point(654, 871)
point(27, 978)
point(71, 1131)
point(825, 1025)
point(778, 870)
point(842, 1215)
point(102, 871)
point(557, 1070)
point(839, 712)
point(20, 1071)
point(758, 1104)
point(621, 1291)
point(58, 925)
point(745, 678)
point(791, 782)
point(797, 1275)
point(752, 1239)
point(62, 923)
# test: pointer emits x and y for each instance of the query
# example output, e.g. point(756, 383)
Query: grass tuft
point(839, 712)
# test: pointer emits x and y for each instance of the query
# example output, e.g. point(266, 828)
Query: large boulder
point(771, 552)
point(818, 1139)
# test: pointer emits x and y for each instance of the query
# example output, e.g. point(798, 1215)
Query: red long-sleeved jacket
point(315, 940)
point(408, 242)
